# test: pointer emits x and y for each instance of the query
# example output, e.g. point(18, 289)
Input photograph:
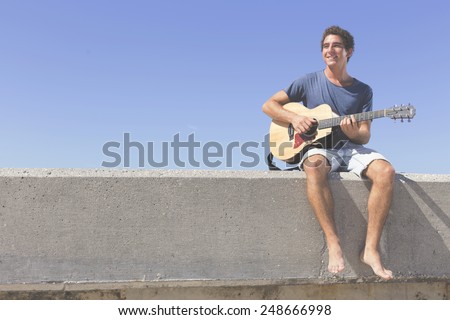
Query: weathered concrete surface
point(68, 225)
point(236, 290)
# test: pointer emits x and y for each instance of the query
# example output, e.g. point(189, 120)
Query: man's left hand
point(350, 126)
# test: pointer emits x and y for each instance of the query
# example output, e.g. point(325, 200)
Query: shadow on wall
point(416, 237)
point(418, 230)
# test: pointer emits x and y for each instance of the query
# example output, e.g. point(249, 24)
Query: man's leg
point(316, 168)
point(382, 174)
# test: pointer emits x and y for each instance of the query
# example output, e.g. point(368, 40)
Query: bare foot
point(372, 259)
point(335, 259)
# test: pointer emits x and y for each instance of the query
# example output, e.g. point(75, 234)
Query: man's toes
point(388, 274)
point(384, 273)
point(336, 268)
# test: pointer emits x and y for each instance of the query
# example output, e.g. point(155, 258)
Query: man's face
point(333, 51)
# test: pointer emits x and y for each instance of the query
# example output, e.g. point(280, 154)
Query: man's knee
point(316, 166)
point(381, 170)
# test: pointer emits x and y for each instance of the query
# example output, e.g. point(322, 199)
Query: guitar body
point(286, 144)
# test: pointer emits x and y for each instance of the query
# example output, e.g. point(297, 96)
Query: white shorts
point(350, 157)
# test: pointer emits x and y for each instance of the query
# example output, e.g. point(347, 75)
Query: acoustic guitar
point(286, 143)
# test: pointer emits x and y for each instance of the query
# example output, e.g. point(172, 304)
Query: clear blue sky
point(78, 74)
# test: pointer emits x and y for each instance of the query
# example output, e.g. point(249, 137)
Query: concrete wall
point(68, 225)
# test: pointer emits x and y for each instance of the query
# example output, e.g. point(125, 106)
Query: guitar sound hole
point(291, 131)
point(311, 132)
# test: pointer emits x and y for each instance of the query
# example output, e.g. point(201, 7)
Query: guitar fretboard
point(369, 115)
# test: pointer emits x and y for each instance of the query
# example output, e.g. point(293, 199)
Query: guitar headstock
point(401, 112)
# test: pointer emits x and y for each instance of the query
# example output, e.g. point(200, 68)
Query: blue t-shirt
point(314, 89)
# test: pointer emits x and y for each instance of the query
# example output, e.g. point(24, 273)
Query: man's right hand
point(273, 107)
point(303, 124)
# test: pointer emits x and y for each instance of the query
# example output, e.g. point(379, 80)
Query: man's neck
point(339, 76)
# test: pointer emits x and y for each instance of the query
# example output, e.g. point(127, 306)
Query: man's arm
point(357, 132)
point(273, 107)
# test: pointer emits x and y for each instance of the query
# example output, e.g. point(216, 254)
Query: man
point(346, 95)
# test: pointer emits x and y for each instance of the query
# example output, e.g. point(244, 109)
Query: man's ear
point(349, 53)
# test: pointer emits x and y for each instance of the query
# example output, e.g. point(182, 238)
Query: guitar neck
point(363, 116)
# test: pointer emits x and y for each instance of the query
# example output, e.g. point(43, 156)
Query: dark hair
point(347, 38)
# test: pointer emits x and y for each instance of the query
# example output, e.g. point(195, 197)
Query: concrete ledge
point(236, 290)
point(116, 226)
